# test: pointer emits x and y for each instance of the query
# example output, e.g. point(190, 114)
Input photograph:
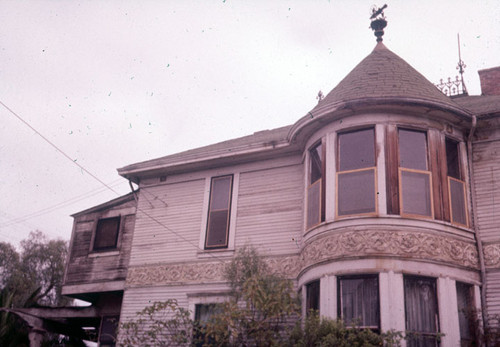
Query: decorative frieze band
point(412, 245)
point(347, 245)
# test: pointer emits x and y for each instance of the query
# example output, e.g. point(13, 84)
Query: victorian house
point(380, 204)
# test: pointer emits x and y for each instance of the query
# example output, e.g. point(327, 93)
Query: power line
point(102, 182)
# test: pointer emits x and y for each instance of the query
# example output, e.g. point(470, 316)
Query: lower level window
point(107, 333)
point(359, 301)
point(312, 297)
point(466, 314)
point(202, 315)
point(421, 307)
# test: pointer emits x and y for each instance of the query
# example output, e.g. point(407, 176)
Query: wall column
point(328, 297)
point(392, 303)
point(448, 312)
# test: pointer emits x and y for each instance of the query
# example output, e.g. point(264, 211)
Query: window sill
point(210, 253)
point(98, 254)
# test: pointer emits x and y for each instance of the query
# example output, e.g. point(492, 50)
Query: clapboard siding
point(168, 223)
point(493, 292)
point(270, 204)
point(84, 265)
point(486, 165)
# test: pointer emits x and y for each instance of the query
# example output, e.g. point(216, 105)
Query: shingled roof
point(383, 75)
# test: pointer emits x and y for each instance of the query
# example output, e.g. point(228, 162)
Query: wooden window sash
point(97, 234)
point(312, 224)
point(400, 183)
point(366, 214)
point(466, 225)
point(211, 211)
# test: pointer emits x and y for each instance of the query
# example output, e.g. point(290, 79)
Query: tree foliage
point(160, 324)
point(34, 275)
point(261, 307)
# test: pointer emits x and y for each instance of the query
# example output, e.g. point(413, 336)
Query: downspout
point(477, 235)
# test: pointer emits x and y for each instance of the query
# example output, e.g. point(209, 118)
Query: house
point(380, 204)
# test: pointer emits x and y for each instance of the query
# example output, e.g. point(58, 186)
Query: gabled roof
point(480, 105)
point(384, 76)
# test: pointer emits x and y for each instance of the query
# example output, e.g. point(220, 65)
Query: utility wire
point(102, 182)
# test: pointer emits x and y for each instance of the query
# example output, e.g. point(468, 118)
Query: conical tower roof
point(383, 77)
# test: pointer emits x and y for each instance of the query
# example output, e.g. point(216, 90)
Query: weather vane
point(378, 21)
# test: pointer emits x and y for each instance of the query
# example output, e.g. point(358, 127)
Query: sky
point(112, 83)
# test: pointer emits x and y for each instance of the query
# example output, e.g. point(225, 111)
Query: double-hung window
point(106, 234)
point(456, 184)
point(316, 186)
point(421, 307)
point(356, 173)
point(359, 301)
point(415, 182)
point(219, 211)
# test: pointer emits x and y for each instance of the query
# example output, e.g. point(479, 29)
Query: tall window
point(421, 307)
point(415, 196)
point(312, 297)
point(359, 301)
point(456, 185)
point(466, 314)
point(202, 315)
point(356, 173)
point(219, 211)
point(316, 187)
point(107, 333)
point(106, 234)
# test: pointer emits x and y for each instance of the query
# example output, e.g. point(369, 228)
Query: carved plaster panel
point(492, 255)
point(413, 245)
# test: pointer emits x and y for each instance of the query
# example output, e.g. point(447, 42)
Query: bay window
point(316, 186)
point(421, 308)
point(359, 301)
point(415, 181)
point(456, 184)
point(356, 173)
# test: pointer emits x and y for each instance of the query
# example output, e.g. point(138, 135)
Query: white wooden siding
point(270, 209)
point(487, 184)
point(493, 292)
point(168, 223)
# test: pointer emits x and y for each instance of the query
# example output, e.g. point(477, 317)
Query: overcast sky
point(111, 83)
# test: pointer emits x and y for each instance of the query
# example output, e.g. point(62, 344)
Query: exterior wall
point(486, 163)
point(89, 271)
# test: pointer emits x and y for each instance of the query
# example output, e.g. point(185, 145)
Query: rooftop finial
point(378, 21)
point(461, 66)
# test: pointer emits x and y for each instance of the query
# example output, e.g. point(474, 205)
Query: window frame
point(311, 185)
point(209, 213)
point(466, 340)
point(338, 173)
point(340, 300)
point(119, 232)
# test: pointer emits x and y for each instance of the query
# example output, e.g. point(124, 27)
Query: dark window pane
point(316, 163)
point(203, 314)
point(421, 311)
point(466, 313)
point(356, 192)
point(218, 224)
point(314, 204)
point(457, 194)
point(221, 193)
point(106, 233)
point(412, 149)
point(452, 159)
point(359, 301)
point(312, 296)
point(415, 194)
point(356, 150)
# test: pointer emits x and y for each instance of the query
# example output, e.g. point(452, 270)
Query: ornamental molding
point(492, 255)
point(407, 245)
point(413, 245)
point(201, 272)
